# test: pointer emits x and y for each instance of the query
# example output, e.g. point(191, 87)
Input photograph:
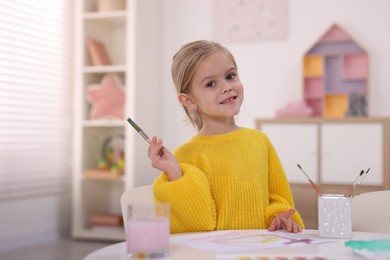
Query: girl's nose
point(226, 88)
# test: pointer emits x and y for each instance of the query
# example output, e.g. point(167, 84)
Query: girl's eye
point(231, 76)
point(211, 84)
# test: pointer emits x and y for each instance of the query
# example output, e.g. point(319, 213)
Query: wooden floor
point(62, 249)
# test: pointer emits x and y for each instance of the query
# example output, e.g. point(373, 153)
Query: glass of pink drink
point(147, 230)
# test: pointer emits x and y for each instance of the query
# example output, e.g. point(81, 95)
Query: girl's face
point(216, 91)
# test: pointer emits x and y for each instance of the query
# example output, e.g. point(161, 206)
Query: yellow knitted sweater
point(230, 181)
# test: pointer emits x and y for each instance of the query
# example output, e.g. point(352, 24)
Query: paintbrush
point(361, 178)
point(354, 183)
point(364, 176)
point(141, 132)
point(311, 182)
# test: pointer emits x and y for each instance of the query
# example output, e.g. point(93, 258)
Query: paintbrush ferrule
point(138, 129)
point(144, 135)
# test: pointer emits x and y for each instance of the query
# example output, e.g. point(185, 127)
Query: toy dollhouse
point(336, 76)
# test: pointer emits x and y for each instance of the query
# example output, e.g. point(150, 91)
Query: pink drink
point(148, 235)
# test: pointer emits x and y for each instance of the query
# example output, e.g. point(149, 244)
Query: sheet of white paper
point(233, 241)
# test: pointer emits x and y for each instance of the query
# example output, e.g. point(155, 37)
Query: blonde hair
point(184, 65)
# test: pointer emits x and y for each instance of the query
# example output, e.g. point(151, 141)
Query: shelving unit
point(131, 38)
point(336, 76)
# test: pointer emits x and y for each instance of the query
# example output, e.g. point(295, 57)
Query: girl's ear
point(185, 100)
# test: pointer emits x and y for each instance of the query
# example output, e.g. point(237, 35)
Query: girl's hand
point(284, 221)
point(163, 160)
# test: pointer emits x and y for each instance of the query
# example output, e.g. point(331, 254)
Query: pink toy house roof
point(335, 34)
point(335, 41)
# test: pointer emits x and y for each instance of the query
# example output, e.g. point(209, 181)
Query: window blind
point(34, 98)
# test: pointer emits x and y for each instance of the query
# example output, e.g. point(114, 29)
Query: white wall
point(33, 220)
point(271, 71)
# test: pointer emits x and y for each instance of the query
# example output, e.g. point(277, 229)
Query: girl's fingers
point(154, 149)
point(284, 221)
point(273, 225)
point(286, 224)
point(288, 213)
point(296, 228)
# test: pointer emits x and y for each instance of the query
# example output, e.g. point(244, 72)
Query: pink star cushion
point(107, 98)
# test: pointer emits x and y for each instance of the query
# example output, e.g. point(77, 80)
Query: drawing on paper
point(244, 240)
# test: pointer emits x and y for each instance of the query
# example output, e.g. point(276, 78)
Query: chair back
point(371, 212)
point(142, 194)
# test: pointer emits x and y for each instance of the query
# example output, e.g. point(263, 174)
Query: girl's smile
point(228, 100)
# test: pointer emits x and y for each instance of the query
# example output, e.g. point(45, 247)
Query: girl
point(225, 177)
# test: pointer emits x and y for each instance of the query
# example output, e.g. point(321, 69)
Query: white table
point(335, 250)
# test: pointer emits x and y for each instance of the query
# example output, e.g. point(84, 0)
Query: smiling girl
point(225, 177)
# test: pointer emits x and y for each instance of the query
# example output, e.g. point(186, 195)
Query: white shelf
point(105, 69)
point(112, 15)
point(90, 234)
point(131, 38)
point(103, 123)
point(111, 19)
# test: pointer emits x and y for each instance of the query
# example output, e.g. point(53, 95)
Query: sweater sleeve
point(192, 206)
point(280, 196)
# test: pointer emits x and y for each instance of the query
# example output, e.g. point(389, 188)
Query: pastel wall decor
point(335, 76)
point(249, 20)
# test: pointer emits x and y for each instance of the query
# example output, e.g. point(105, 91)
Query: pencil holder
point(334, 216)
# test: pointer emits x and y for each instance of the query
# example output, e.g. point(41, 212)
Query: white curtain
point(35, 91)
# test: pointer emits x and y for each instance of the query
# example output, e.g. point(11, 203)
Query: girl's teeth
point(227, 101)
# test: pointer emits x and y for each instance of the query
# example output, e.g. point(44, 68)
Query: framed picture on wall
point(250, 20)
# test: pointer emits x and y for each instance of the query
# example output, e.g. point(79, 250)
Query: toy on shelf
point(113, 154)
point(335, 76)
point(295, 109)
point(97, 53)
point(107, 99)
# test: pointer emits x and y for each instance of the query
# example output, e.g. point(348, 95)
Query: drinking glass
point(147, 230)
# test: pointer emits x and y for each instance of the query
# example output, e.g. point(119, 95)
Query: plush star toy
point(107, 98)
